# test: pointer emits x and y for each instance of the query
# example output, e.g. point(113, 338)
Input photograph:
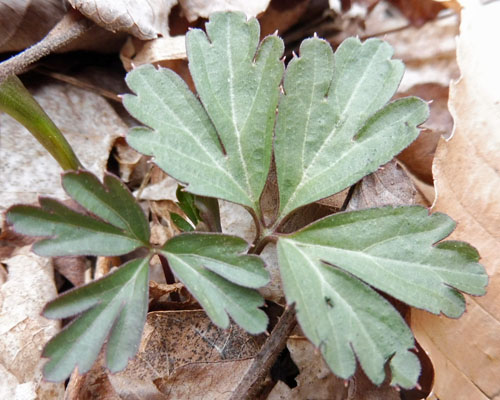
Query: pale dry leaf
point(162, 190)
point(466, 352)
point(236, 220)
point(127, 159)
point(23, 331)
point(144, 19)
point(25, 22)
point(194, 9)
point(159, 51)
point(389, 185)
point(88, 122)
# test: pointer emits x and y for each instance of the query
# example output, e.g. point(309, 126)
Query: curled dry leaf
point(144, 19)
point(88, 122)
point(466, 352)
point(23, 331)
point(419, 155)
point(194, 9)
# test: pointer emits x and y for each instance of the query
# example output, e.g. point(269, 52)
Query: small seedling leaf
point(113, 307)
point(222, 278)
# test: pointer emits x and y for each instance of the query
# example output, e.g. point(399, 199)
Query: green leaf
point(331, 128)
point(186, 202)
point(391, 249)
point(112, 201)
point(113, 306)
point(123, 227)
point(214, 269)
point(223, 148)
point(18, 102)
point(181, 223)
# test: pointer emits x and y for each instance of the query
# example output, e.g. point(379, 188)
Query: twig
point(71, 26)
point(251, 383)
point(80, 84)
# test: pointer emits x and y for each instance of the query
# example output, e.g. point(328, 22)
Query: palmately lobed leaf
point(332, 127)
point(113, 306)
point(326, 269)
point(110, 201)
point(122, 229)
point(223, 147)
point(221, 277)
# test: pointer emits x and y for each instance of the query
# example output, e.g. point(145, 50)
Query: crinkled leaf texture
point(212, 266)
point(121, 227)
point(329, 267)
point(222, 146)
point(332, 127)
point(113, 306)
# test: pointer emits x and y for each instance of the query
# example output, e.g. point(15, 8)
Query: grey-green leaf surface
point(110, 201)
point(342, 316)
point(223, 147)
point(221, 277)
point(68, 232)
point(332, 127)
point(391, 249)
point(113, 307)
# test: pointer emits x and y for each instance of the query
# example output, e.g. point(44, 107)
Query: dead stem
point(71, 26)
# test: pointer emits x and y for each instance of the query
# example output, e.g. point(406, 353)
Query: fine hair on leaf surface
point(328, 121)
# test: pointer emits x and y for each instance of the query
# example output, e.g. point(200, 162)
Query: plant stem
point(169, 276)
point(209, 212)
point(71, 26)
point(251, 383)
point(16, 101)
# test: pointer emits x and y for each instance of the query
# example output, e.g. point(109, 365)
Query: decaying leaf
point(389, 185)
point(193, 9)
point(182, 356)
point(419, 155)
point(466, 352)
point(315, 380)
point(25, 22)
point(23, 331)
point(145, 19)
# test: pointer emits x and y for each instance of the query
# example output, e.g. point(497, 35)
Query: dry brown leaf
point(182, 356)
point(88, 122)
point(315, 380)
point(145, 19)
point(419, 156)
point(389, 185)
point(25, 22)
point(193, 9)
point(466, 352)
point(281, 15)
point(72, 268)
point(419, 12)
point(23, 331)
